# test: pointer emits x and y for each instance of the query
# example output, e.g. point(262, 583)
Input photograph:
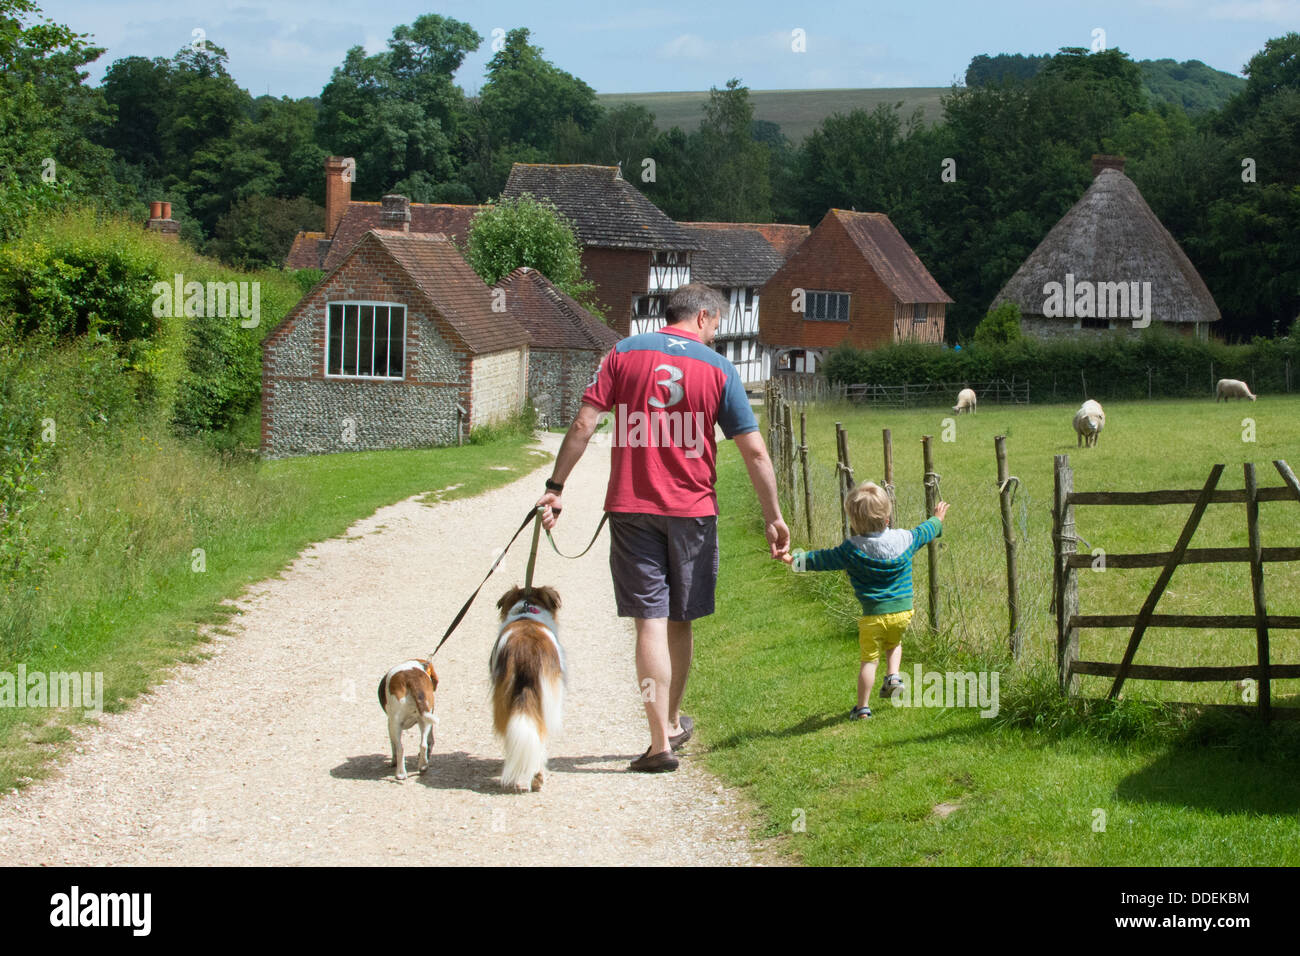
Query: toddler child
point(878, 559)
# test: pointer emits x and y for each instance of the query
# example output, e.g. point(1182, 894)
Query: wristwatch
point(555, 486)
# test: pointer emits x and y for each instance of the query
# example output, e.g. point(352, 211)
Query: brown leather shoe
point(658, 763)
point(688, 726)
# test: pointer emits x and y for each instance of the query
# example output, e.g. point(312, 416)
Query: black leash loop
point(573, 557)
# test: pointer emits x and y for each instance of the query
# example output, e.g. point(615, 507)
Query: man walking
point(667, 390)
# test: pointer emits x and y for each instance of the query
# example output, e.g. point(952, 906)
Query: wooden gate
point(1066, 596)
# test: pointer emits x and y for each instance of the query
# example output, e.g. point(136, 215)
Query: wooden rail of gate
point(1069, 621)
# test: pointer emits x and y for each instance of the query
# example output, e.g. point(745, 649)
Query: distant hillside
point(798, 112)
point(1190, 84)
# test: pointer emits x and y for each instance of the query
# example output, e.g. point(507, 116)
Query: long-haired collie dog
point(527, 683)
point(406, 694)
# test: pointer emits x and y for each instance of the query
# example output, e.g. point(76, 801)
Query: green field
point(776, 665)
point(798, 112)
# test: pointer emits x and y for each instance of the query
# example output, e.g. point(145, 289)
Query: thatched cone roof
point(1111, 235)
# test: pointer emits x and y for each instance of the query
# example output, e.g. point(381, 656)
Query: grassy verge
point(133, 517)
point(775, 677)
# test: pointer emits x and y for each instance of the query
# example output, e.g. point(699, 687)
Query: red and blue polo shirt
point(666, 391)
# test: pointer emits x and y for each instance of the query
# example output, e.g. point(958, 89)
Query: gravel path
point(275, 750)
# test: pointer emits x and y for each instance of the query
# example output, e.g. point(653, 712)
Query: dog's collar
point(526, 609)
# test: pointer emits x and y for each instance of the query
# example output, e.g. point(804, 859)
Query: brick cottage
point(397, 347)
point(861, 283)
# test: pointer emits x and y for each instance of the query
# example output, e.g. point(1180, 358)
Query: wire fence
point(996, 392)
point(813, 489)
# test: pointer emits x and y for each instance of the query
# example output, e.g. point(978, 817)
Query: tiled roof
point(361, 217)
point(889, 254)
point(731, 254)
point(551, 316)
point(782, 237)
point(606, 209)
point(436, 266)
point(305, 252)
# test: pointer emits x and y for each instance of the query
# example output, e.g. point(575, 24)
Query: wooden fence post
point(1067, 587)
point(771, 417)
point(807, 488)
point(1005, 491)
point(888, 440)
point(845, 471)
point(932, 549)
point(1257, 592)
point(789, 462)
point(780, 442)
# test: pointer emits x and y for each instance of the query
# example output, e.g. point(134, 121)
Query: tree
point(1000, 326)
point(45, 111)
point(399, 112)
point(524, 231)
point(136, 88)
point(258, 230)
point(985, 70)
point(732, 164)
point(526, 97)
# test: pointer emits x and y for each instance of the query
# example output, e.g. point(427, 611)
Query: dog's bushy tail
point(528, 690)
point(525, 752)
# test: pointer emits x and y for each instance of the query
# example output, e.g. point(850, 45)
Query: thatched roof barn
point(1109, 267)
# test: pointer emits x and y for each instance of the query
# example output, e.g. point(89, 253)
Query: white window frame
point(325, 359)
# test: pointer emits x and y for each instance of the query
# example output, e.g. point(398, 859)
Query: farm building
point(397, 347)
point(1109, 267)
point(857, 281)
point(635, 255)
point(347, 221)
point(737, 259)
point(568, 343)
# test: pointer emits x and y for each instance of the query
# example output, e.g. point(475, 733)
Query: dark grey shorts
point(662, 566)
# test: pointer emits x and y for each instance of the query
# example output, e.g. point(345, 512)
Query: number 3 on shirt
point(675, 392)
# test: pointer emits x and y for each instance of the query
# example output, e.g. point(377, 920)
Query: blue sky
point(289, 47)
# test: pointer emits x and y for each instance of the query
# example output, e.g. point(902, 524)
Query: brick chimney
point(1101, 161)
point(160, 221)
point(396, 213)
point(339, 173)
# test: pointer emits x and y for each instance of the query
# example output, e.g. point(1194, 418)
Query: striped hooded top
point(879, 564)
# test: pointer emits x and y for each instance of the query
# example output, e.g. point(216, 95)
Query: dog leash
point(573, 557)
point(460, 615)
point(534, 515)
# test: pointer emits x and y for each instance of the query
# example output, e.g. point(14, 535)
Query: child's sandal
point(859, 713)
point(892, 687)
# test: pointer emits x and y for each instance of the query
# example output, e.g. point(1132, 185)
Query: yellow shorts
point(881, 633)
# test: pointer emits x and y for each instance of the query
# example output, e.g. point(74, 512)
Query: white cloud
point(688, 46)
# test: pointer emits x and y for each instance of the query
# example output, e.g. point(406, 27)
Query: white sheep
point(1089, 420)
point(965, 401)
point(1232, 388)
